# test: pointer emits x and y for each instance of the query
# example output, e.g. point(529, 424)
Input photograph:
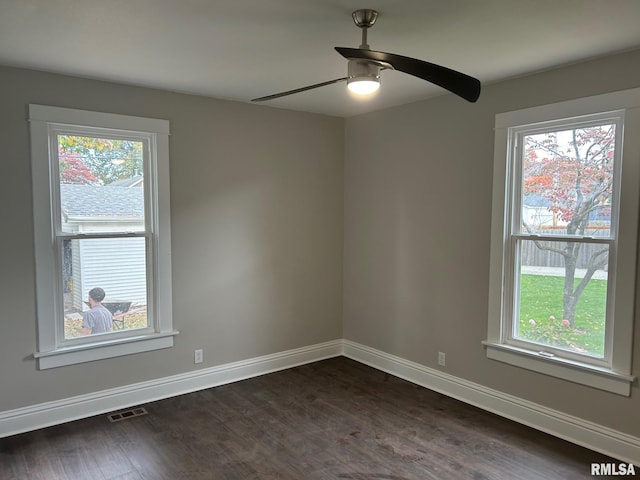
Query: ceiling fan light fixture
point(364, 77)
point(363, 86)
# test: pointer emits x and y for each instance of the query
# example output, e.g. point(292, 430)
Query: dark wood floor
point(335, 419)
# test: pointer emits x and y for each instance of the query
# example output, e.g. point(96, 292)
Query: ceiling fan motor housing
point(359, 70)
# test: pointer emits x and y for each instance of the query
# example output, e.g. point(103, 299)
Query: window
point(564, 237)
point(102, 234)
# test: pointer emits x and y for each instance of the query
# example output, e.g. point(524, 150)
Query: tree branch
point(594, 264)
point(541, 245)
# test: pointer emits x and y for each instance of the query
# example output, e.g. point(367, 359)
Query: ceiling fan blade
point(462, 85)
point(298, 90)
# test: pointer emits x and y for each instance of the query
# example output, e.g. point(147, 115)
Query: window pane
point(101, 184)
point(115, 265)
point(567, 181)
point(560, 303)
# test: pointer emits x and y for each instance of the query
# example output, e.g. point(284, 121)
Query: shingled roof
point(97, 201)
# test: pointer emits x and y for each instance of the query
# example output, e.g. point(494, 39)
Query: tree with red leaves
point(97, 160)
point(73, 170)
point(572, 170)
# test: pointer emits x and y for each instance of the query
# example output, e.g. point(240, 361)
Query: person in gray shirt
point(98, 319)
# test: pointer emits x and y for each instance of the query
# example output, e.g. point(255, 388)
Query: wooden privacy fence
point(533, 256)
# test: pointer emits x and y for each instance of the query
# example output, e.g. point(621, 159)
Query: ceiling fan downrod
point(364, 19)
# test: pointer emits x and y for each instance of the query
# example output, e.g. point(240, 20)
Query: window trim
point(50, 352)
point(618, 377)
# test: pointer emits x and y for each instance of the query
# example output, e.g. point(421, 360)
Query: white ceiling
point(242, 49)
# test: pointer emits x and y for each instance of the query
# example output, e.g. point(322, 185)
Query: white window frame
point(45, 124)
point(613, 373)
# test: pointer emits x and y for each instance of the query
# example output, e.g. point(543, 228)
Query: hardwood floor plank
point(335, 419)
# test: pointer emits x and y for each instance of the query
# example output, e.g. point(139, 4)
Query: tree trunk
point(569, 298)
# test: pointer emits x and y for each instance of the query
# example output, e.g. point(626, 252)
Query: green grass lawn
point(541, 301)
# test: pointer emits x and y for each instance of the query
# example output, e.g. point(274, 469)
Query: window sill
point(584, 374)
point(108, 349)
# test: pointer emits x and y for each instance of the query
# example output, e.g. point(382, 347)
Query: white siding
point(116, 264)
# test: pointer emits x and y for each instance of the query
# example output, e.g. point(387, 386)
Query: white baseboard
point(621, 446)
point(60, 411)
point(616, 444)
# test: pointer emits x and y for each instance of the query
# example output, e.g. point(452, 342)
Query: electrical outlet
point(198, 356)
point(441, 359)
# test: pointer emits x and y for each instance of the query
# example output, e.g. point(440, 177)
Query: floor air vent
point(123, 415)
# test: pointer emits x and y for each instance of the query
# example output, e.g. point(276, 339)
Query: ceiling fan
point(365, 65)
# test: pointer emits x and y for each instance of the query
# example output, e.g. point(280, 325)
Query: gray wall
point(257, 211)
point(258, 196)
point(418, 183)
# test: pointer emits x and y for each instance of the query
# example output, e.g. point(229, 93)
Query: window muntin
point(565, 187)
point(83, 235)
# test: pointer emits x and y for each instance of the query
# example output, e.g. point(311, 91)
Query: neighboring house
point(112, 264)
point(134, 181)
point(536, 212)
